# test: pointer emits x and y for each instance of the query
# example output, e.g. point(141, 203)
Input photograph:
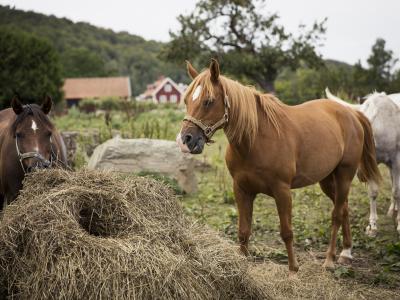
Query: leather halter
point(37, 155)
point(209, 130)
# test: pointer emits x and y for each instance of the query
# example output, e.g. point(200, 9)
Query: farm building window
point(168, 88)
point(173, 98)
point(163, 98)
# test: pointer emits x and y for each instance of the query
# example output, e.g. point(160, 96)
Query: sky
point(353, 25)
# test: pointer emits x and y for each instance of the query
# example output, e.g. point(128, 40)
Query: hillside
point(87, 50)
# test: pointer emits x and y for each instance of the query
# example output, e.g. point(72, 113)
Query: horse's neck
point(243, 146)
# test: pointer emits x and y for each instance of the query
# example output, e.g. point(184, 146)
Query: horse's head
point(207, 109)
point(32, 132)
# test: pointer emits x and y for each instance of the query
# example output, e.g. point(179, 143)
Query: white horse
point(395, 98)
point(384, 114)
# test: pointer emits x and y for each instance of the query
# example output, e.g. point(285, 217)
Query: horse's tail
point(332, 97)
point(368, 170)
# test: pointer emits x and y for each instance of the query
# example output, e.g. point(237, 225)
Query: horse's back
point(6, 117)
point(325, 112)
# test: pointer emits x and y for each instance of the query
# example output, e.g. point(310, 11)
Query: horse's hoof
point(371, 232)
point(344, 260)
point(328, 265)
point(244, 250)
point(293, 275)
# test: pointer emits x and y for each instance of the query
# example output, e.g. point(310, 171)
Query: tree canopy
point(250, 44)
point(349, 81)
point(380, 71)
point(29, 67)
point(89, 51)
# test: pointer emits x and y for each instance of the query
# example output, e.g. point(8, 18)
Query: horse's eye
point(207, 102)
point(49, 134)
point(19, 135)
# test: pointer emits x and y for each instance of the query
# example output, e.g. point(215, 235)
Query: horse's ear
point(47, 104)
point(17, 105)
point(214, 70)
point(191, 70)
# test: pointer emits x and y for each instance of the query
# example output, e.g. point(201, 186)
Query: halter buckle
point(207, 131)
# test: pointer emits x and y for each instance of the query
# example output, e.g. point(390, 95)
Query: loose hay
point(313, 282)
point(89, 235)
point(96, 235)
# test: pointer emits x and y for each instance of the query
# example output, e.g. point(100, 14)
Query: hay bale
point(97, 235)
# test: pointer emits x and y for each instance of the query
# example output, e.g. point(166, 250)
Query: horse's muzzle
point(194, 143)
point(39, 165)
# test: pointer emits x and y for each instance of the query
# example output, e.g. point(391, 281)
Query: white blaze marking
point(34, 126)
point(196, 93)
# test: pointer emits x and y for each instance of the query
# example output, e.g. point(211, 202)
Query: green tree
point(380, 71)
point(120, 53)
point(395, 83)
point(249, 44)
point(381, 63)
point(80, 62)
point(29, 66)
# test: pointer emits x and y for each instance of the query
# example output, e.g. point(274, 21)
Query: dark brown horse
point(274, 148)
point(28, 141)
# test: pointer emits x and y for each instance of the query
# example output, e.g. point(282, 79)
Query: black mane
point(37, 113)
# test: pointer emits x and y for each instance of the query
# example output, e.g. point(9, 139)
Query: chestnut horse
point(274, 148)
point(28, 141)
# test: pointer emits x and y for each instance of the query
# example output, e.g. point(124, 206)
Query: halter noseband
point(37, 155)
point(209, 130)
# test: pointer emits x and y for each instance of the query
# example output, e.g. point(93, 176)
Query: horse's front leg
point(283, 199)
point(244, 202)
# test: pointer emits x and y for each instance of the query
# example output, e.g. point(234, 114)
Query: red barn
point(164, 90)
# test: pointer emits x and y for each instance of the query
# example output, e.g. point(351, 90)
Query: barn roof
point(79, 88)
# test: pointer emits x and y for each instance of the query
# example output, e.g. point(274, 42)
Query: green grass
point(162, 123)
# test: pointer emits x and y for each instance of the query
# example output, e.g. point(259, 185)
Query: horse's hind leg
point(396, 190)
point(372, 227)
point(328, 186)
point(340, 215)
point(393, 207)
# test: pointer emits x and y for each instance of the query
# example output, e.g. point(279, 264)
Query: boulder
point(147, 155)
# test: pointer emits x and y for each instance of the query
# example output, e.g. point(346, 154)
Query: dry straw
point(95, 235)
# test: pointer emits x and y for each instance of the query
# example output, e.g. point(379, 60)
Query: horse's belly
point(306, 179)
point(312, 169)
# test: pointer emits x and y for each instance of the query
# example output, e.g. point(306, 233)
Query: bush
point(88, 105)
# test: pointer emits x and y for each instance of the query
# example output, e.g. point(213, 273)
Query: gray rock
point(149, 155)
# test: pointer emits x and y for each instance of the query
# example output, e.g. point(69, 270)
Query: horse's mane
point(38, 115)
point(243, 113)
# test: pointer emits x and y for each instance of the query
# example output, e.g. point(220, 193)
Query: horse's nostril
point(188, 137)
